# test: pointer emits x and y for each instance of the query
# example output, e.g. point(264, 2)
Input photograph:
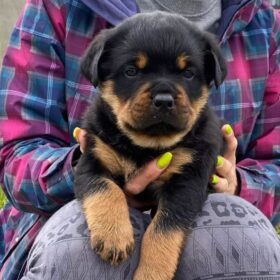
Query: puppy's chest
point(119, 165)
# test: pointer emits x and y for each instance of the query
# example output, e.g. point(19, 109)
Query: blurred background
point(9, 11)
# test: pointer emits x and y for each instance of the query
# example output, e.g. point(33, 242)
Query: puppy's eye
point(188, 73)
point(130, 71)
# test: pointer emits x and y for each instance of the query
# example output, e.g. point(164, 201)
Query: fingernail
point(164, 160)
point(228, 129)
point(76, 133)
point(219, 161)
point(215, 179)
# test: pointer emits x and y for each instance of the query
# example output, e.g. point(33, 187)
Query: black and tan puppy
point(153, 72)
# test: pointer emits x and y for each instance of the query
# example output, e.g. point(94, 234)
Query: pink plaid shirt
point(43, 96)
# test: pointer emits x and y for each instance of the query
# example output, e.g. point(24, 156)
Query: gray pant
point(231, 239)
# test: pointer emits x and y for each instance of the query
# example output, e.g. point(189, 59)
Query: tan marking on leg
point(182, 61)
point(160, 252)
point(107, 216)
point(142, 60)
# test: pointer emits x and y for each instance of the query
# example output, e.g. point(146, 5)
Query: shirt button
point(17, 239)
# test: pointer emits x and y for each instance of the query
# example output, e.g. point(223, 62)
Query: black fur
point(162, 37)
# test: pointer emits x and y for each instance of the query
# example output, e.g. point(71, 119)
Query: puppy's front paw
point(114, 243)
point(111, 232)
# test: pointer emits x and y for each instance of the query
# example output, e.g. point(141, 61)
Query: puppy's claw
point(113, 249)
point(98, 247)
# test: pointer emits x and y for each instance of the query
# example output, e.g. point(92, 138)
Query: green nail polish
point(76, 133)
point(215, 179)
point(219, 161)
point(164, 160)
point(229, 129)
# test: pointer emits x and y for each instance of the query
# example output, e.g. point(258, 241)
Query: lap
point(230, 236)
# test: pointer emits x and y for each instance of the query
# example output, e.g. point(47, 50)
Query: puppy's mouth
point(159, 128)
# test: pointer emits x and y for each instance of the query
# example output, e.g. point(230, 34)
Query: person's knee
point(230, 236)
point(63, 245)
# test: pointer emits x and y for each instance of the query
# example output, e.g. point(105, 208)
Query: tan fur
point(108, 95)
point(134, 108)
point(195, 107)
point(160, 252)
point(108, 221)
point(181, 157)
point(198, 105)
point(201, 102)
point(156, 142)
point(182, 61)
point(115, 163)
point(142, 60)
point(131, 111)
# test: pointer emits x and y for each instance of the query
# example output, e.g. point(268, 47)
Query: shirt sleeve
point(260, 170)
point(36, 156)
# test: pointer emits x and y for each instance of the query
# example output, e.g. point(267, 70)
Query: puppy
point(154, 72)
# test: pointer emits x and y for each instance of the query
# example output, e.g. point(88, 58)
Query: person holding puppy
point(44, 95)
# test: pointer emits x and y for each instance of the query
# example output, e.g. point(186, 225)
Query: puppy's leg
point(164, 239)
point(160, 251)
point(105, 209)
point(107, 216)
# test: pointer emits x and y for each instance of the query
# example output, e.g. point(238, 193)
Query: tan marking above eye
point(142, 60)
point(182, 61)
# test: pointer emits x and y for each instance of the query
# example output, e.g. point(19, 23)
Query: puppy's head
point(154, 71)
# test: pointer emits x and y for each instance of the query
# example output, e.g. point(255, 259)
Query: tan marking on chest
point(181, 157)
point(117, 164)
point(111, 160)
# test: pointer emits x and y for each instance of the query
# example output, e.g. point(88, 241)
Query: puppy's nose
point(163, 101)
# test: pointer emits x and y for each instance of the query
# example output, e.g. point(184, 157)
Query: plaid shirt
point(43, 96)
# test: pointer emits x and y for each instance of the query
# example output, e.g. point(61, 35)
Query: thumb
point(80, 136)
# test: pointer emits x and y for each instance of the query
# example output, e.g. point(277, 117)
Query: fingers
point(219, 184)
point(225, 178)
point(231, 141)
point(80, 136)
point(224, 167)
point(148, 174)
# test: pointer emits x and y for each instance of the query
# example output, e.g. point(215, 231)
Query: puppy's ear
point(214, 63)
point(90, 61)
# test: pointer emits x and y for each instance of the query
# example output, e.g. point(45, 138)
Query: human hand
point(225, 179)
point(149, 173)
